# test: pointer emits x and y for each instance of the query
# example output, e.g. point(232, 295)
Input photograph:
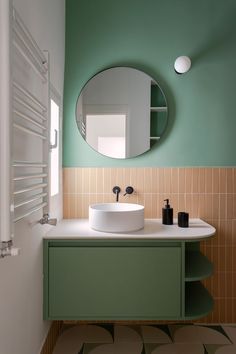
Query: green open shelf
point(198, 301)
point(197, 266)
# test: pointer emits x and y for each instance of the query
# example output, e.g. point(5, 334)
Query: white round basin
point(116, 217)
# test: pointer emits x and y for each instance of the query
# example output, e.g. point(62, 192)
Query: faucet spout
point(116, 190)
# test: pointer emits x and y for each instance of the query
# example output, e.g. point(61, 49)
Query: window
point(55, 141)
point(55, 178)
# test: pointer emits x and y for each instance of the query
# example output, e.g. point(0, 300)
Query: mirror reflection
point(121, 112)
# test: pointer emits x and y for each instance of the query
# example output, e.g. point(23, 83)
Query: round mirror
point(121, 112)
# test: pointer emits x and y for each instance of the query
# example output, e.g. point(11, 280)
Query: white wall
point(22, 329)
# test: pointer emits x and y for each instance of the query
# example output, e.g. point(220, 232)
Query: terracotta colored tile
point(120, 178)
point(167, 180)
point(215, 258)
point(230, 314)
point(195, 206)
point(228, 285)
point(196, 173)
point(233, 277)
point(107, 180)
point(230, 180)
point(66, 206)
point(141, 200)
point(182, 203)
point(72, 206)
point(234, 234)
point(147, 180)
point(223, 206)
point(92, 180)
point(189, 204)
point(208, 206)
point(132, 198)
point(140, 180)
point(100, 181)
point(161, 180)
point(148, 206)
point(216, 310)
point(133, 177)
point(216, 180)
point(156, 208)
point(215, 206)
point(202, 182)
point(223, 180)
point(208, 180)
point(189, 180)
point(202, 206)
point(155, 180)
point(71, 180)
point(174, 180)
point(222, 311)
point(85, 208)
point(65, 180)
point(234, 206)
point(234, 258)
point(234, 180)
point(175, 204)
point(182, 186)
point(79, 180)
point(85, 180)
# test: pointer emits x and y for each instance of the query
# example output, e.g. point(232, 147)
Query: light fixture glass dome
point(182, 64)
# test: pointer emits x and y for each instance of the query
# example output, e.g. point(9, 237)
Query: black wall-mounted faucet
point(129, 190)
point(116, 190)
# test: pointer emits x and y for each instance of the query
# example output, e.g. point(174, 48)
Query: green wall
point(149, 35)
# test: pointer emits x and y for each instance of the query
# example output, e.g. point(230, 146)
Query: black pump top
point(167, 203)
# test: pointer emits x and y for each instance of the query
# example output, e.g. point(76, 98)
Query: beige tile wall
point(207, 193)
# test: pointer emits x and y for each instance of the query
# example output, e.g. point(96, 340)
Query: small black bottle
point(167, 214)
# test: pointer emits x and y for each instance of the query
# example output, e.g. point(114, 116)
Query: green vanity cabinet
point(124, 280)
point(115, 281)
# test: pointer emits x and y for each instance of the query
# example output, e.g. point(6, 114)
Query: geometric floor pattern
point(151, 339)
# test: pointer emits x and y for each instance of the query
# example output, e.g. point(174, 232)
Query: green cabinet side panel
point(114, 283)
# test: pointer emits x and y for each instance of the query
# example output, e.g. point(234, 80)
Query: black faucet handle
point(116, 190)
point(129, 190)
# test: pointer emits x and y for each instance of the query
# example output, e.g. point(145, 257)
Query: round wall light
point(182, 64)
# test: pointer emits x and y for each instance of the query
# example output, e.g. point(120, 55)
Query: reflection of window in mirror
point(106, 134)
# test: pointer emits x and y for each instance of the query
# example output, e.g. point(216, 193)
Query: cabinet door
point(114, 282)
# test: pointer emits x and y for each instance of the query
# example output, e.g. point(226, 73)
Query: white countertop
point(153, 229)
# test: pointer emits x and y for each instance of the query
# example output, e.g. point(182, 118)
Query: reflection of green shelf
point(158, 109)
point(197, 266)
point(198, 301)
point(158, 122)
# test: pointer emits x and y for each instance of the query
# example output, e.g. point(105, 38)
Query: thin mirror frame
point(153, 140)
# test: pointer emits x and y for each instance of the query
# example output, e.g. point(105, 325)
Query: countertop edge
point(153, 230)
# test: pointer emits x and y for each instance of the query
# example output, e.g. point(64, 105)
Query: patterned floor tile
point(72, 339)
point(231, 333)
point(126, 334)
point(155, 334)
point(220, 349)
point(197, 334)
point(116, 348)
point(151, 339)
point(175, 348)
point(69, 342)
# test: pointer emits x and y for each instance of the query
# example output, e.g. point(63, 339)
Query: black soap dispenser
point(167, 214)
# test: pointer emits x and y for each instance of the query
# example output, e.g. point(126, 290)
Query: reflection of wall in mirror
point(123, 87)
point(112, 146)
point(106, 134)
